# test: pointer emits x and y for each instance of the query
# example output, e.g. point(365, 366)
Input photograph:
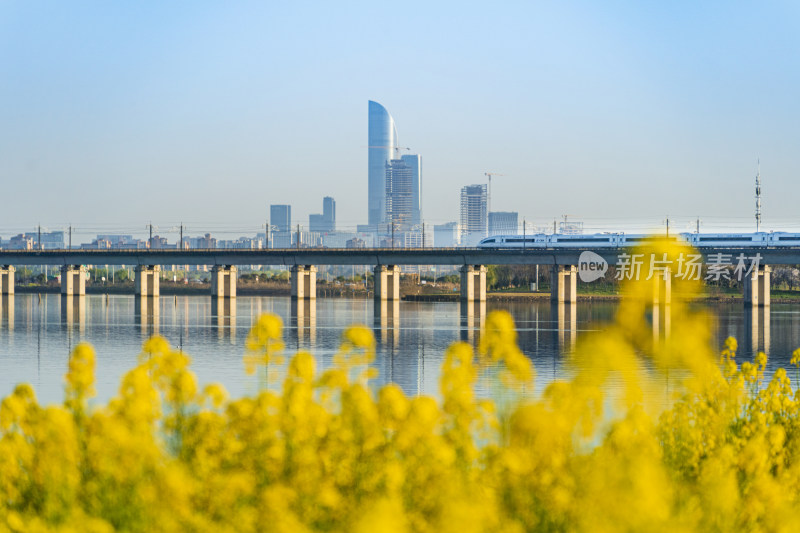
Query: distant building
point(399, 194)
point(326, 222)
point(53, 240)
point(205, 242)
point(414, 163)
point(446, 235)
point(355, 242)
point(381, 141)
point(21, 242)
point(474, 214)
point(280, 217)
point(503, 223)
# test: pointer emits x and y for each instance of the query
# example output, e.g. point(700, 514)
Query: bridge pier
point(146, 280)
point(756, 287)
point(223, 281)
point(7, 279)
point(387, 282)
point(304, 282)
point(564, 284)
point(73, 280)
point(473, 283)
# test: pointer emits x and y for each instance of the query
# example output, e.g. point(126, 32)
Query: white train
point(620, 240)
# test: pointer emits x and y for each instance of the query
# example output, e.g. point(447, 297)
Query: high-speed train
point(621, 240)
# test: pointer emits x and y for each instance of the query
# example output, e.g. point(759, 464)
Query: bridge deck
point(359, 256)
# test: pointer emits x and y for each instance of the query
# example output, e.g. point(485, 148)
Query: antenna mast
point(758, 197)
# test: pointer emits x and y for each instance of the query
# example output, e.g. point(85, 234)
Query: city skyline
point(172, 109)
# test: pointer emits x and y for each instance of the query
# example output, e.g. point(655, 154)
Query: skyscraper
point(414, 162)
point(382, 141)
point(399, 194)
point(474, 214)
point(326, 222)
point(280, 216)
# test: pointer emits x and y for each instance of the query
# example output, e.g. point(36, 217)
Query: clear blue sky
point(117, 113)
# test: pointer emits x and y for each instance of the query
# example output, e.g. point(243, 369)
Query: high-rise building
point(280, 217)
point(382, 141)
point(503, 223)
point(414, 162)
point(326, 222)
point(474, 214)
point(399, 194)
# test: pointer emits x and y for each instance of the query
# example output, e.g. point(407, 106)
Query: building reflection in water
point(304, 321)
point(223, 316)
point(147, 310)
point(473, 318)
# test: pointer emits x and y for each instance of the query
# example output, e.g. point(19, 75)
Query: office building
point(280, 221)
point(381, 141)
point(326, 222)
point(474, 214)
point(414, 163)
point(503, 223)
point(398, 194)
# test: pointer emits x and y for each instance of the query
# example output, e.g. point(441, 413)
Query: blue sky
point(115, 114)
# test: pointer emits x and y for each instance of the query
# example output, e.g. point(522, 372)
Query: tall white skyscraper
point(382, 143)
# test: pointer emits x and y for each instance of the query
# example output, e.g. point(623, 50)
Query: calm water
point(37, 334)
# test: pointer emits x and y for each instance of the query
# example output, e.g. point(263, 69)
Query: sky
point(117, 114)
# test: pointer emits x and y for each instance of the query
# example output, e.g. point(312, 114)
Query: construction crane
point(489, 199)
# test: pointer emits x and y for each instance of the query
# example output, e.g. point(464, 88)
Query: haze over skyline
point(207, 113)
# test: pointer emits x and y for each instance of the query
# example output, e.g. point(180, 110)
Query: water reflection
point(757, 329)
point(387, 322)
point(473, 318)
point(304, 321)
point(73, 311)
point(7, 311)
point(566, 325)
point(147, 310)
point(223, 316)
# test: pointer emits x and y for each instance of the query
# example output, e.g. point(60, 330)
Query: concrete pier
point(387, 282)
point(564, 284)
point(73, 280)
point(756, 287)
point(7, 279)
point(473, 283)
point(304, 282)
point(146, 280)
point(223, 281)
